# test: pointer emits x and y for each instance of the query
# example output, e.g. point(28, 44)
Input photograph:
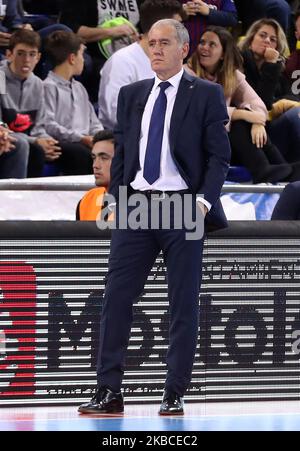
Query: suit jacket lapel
point(141, 101)
point(183, 98)
point(138, 106)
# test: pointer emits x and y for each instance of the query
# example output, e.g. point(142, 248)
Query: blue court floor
point(247, 416)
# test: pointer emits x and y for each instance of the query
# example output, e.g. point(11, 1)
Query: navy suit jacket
point(288, 205)
point(198, 139)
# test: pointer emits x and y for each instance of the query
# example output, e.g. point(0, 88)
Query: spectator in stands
point(207, 12)
point(86, 18)
point(293, 62)
point(70, 117)
point(14, 152)
point(251, 10)
point(132, 63)
point(15, 19)
point(218, 59)
point(263, 50)
point(22, 106)
point(37, 19)
point(10, 22)
point(288, 205)
point(89, 207)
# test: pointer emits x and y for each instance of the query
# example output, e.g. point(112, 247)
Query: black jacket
point(288, 205)
point(269, 82)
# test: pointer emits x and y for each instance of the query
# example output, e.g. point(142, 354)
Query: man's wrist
point(204, 202)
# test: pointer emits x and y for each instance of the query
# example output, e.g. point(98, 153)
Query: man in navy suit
point(187, 153)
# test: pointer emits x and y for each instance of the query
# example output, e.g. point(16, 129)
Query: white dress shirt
point(170, 178)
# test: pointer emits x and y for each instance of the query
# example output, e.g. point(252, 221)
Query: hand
point(271, 55)
point(281, 106)
point(190, 8)
point(124, 30)
point(196, 7)
point(255, 117)
point(4, 39)
point(6, 140)
point(51, 148)
point(203, 208)
point(202, 7)
point(259, 135)
point(87, 141)
point(27, 26)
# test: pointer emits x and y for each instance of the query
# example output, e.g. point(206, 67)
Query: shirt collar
point(174, 81)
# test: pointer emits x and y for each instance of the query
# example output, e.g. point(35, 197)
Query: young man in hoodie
point(70, 117)
point(23, 107)
point(22, 104)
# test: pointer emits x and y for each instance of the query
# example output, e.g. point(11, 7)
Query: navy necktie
point(155, 136)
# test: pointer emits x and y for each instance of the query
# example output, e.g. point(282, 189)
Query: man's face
point(102, 155)
point(166, 53)
point(23, 59)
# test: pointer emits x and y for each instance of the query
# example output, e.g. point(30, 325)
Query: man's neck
point(16, 75)
point(163, 76)
point(143, 42)
point(64, 71)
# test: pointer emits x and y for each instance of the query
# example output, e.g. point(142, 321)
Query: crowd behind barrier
point(56, 198)
point(82, 83)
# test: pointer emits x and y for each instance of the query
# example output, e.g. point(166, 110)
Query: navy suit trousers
point(133, 253)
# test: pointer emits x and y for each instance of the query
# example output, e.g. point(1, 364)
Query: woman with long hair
point(264, 50)
point(218, 59)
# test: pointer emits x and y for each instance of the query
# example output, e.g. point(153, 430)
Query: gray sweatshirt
point(69, 113)
point(23, 97)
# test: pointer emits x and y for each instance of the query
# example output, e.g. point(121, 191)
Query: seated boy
point(22, 101)
point(70, 117)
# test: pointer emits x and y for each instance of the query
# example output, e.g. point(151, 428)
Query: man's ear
point(8, 54)
point(185, 50)
point(39, 56)
point(71, 58)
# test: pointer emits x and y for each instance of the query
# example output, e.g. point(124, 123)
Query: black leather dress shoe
point(104, 401)
point(172, 404)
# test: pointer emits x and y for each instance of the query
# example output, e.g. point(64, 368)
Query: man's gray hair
point(182, 35)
